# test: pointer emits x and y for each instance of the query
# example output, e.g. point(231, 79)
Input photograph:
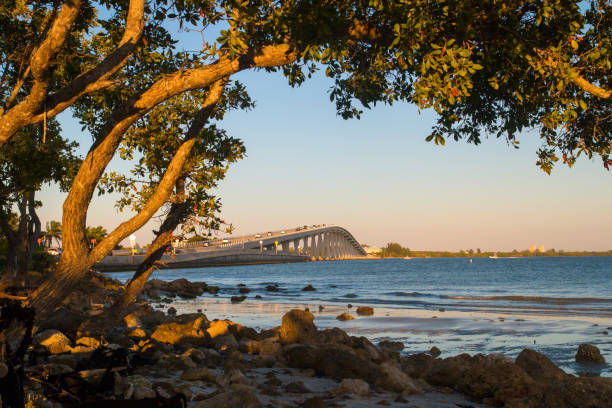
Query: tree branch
point(588, 87)
point(40, 64)
point(98, 78)
point(168, 181)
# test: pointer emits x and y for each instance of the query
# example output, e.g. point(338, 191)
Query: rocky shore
point(83, 356)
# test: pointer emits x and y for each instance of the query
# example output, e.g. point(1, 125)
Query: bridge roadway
point(299, 244)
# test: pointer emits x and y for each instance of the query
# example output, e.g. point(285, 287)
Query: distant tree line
point(395, 250)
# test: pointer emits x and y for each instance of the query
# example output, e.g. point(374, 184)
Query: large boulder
point(492, 379)
point(298, 327)
point(589, 354)
point(576, 393)
point(189, 329)
point(54, 341)
point(539, 367)
point(417, 365)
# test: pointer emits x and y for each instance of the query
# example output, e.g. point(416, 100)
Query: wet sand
point(453, 332)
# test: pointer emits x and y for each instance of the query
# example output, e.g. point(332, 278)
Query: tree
point(53, 231)
point(395, 250)
point(95, 233)
point(34, 157)
point(486, 67)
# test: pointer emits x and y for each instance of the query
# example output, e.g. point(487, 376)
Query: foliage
point(53, 231)
point(395, 250)
point(98, 233)
point(41, 260)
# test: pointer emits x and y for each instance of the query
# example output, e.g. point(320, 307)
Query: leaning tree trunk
point(147, 266)
point(76, 259)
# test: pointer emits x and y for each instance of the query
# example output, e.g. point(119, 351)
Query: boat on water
point(494, 256)
point(407, 257)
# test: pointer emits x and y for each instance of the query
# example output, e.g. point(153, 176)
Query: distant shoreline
point(491, 255)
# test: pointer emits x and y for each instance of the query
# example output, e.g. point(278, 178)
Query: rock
point(352, 386)
point(269, 347)
point(297, 327)
point(89, 342)
point(493, 379)
point(417, 365)
point(394, 379)
point(171, 311)
point(272, 288)
point(364, 348)
point(344, 316)
point(142, 387)
point(334, 336)
point(79, 348)
point(258, 297)
point(589, 354)
point(240, 398)
point(365, 311)
point(54, 341)
point(244, 290)
point(297, 387)
point(434, 351)
point(176, 362)
point(308, 288)
point(227, 342)
point(191, 331)
point(132, 321)
point(137, 334)
point(575, 393)
point(197, 355)
point(249, 346)
point(218, 328)
point(237, 299)
point(193, 374)
point(539, 367)
point(335, 361)
point(391, 345)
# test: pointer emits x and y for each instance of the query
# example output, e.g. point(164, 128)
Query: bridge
point(300, 244)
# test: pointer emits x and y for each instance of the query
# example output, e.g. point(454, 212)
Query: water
point(503, 305)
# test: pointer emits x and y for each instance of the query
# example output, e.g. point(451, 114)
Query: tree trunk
point(147, 266)
point(23, 244)
point(50, 294)
point(34, 227)
point(76, 259)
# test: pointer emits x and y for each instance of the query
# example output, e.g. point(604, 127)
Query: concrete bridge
point(301, 244)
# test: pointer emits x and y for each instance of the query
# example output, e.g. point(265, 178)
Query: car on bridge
point(257, 235)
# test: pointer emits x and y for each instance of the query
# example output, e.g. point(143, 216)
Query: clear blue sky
point(379, 178)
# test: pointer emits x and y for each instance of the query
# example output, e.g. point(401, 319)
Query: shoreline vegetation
point(85, 355)
point(395, 250)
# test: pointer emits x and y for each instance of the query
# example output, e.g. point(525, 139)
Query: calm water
point(489, 305)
